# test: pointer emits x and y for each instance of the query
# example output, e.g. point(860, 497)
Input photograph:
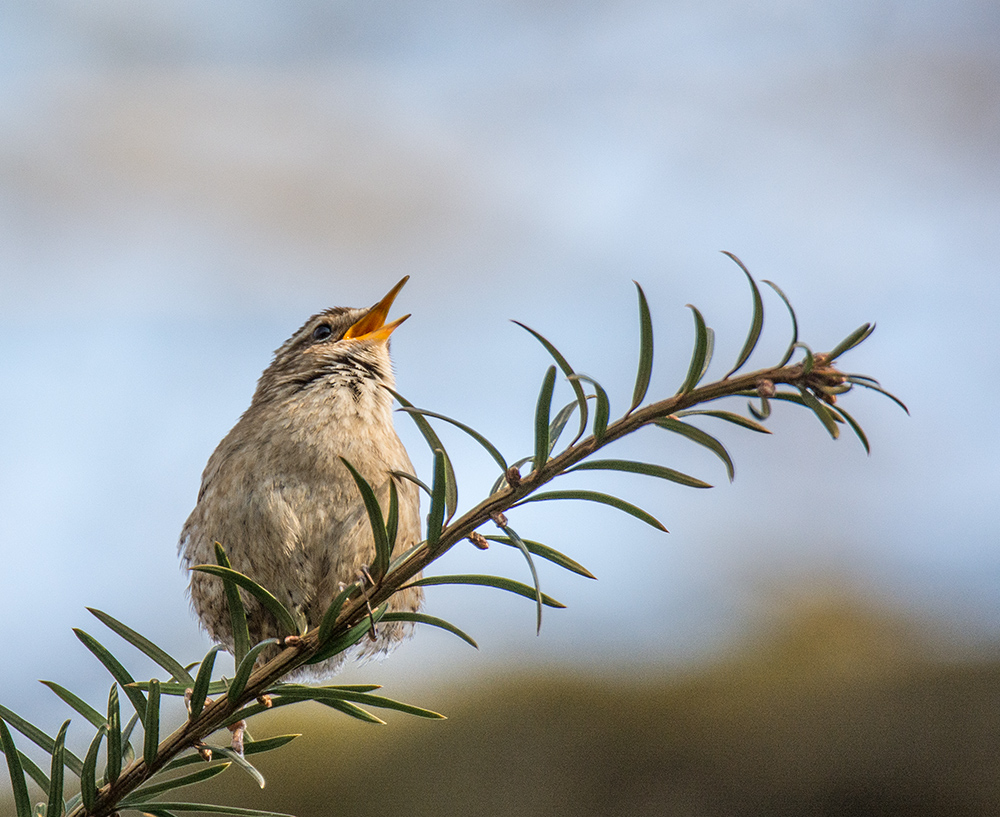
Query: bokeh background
point(182, 184)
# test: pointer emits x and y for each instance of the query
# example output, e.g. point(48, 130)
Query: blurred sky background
point(182, 184)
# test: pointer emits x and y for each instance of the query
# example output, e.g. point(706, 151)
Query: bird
point(278, 497)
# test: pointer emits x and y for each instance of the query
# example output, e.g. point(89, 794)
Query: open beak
point(372, 325)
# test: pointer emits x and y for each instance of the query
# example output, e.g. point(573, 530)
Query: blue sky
point(183, 186)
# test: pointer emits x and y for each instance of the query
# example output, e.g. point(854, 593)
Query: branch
point(815, 383)
point(355, 611)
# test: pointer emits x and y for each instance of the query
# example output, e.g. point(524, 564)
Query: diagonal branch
point(817, 376)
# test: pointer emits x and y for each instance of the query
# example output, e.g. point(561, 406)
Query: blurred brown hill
point(835, 709)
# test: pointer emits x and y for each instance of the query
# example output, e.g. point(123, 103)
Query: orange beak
point(372, 325)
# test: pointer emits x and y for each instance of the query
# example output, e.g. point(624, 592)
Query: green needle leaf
point(199, 692)
point(301, 689)
point(435, 516)
point(860, 378)
point(855, 427)
point(603, 411)
point(155, 789)
point(258, 747)
point(559, 424)
point(729, 417)
point(822, 412)
point(415, 480)
point(377, 523)
point(392, 519)
point(353, 711)
point(328, 695)
point(179, 690)
point(171, 665)
point(543, 411)
point(118, 672)
point(31, 769)
point(88, 778)
point(330, 616)
point(808, 361)
point(204, 808)
point(519, 544)
point(856, 337)
point(398, 706)
point(567, 370)
point(39, 738)
point(129, 752)
point(241, 763)
point(92, 715)
point(57, 805)
point(765, 408)
point(237, 612)
point(698, 363)
point(405, 556)
point(491, 449)
point(22, 804)
point(423, 618)
point(151, 724)
point(114, 766)
point(755, 325)
point(242, 674)
point(547, 553)
point(709, 350)
point(867, 383)
point(265, 597)
point(451, 486)
point(649, 469)
point(594, 496)
point(795, 323)
point(645, 352)
point(499, 582)
point(700, 437)
point(348, 639)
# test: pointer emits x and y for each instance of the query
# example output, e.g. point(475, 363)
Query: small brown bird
point(277, 496)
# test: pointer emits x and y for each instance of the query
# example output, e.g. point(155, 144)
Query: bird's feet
point(365, 579)
point(238, 729)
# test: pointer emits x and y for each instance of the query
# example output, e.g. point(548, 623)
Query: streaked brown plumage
point(276, 494)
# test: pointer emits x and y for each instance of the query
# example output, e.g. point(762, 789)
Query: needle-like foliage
point(136, 778)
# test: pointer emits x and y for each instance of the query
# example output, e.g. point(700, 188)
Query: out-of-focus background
point(182, 184)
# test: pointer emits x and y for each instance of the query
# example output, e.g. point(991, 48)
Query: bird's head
point(341, 347)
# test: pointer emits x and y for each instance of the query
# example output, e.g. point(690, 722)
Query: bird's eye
point(322, 332)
